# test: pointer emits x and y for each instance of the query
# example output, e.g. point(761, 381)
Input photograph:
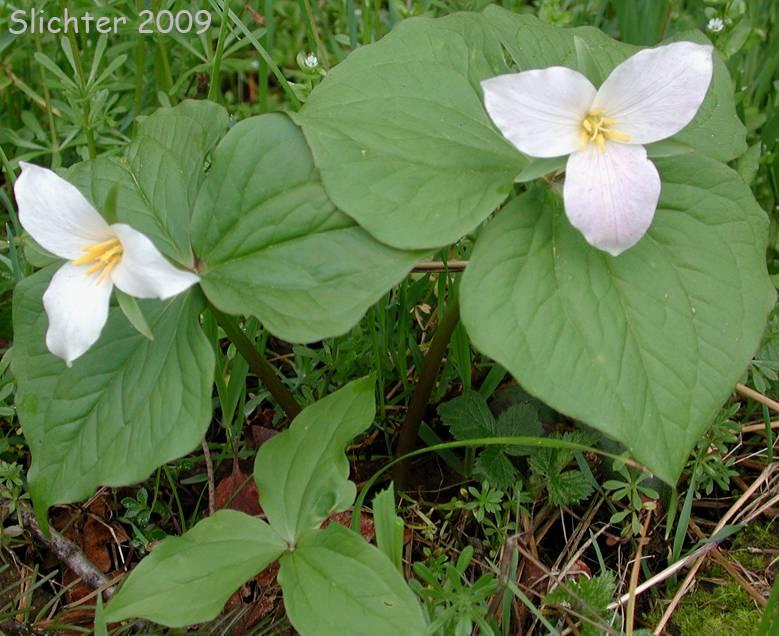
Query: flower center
point(597, 129)
point(103, 256)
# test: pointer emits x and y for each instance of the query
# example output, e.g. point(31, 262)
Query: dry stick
point(67, 552)
point(440, 266)
point(758, 428)
point(699, 561)
point(210, 473)
point(635, 571)
point(409, 429)
point(730, 568)
point(745, 391)
point(698, 554)
point(257, 363)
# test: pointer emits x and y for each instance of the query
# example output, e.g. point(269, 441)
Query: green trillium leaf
point(402, 140)
point(646, 346)
point(336, 583)
point(716, 130)
point(303, 474)
point(405, 147)
point(154, 187)
point(125, 407)
point(272, 244)
point(188, 579)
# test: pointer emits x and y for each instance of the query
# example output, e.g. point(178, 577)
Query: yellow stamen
point(598, 129)
point(102, 256)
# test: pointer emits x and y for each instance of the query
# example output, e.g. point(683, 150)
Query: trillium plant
point(615, 268)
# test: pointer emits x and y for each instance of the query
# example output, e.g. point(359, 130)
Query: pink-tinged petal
point(540, 111)
point(56, 214)
point(145, 273)
point(656, 92)
point(77, 307)
point(611, 195)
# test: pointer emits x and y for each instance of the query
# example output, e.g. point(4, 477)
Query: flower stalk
point(257, 363)
point(409, 429)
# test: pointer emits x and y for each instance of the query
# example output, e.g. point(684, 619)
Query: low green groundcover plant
point(622, 280)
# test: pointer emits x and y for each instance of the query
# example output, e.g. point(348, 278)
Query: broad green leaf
point(400, 135)
point(272, 244)
point(158, 180)
point(188, 579)
point(646, 346)
point(468, 416)
point(519, 420)
point(493, 465)
point(125, 407)
point(336, 583)
point(302, 473)
point(716, 130)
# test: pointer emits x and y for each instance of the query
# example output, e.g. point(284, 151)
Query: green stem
point(409, 429)
point(85, 109)
point(257, 363)
point(55, 153)
point(213, 87)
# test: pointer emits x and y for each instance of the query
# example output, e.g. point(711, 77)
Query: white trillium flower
point(99, 256)
point(611, 188)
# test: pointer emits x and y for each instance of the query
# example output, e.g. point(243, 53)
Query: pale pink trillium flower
point(99, 256)
point(611, 187)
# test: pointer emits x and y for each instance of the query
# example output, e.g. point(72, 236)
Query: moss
point(760, 536)
point(724, 610)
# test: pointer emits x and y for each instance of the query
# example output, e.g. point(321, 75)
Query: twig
point(758, 428)
point(67, 552)
point(720, 558)
point(440, 266)
point(210, 474)
point(701, 552)
point(746, 496)
point(635, 571)
point(745, 391)
point(504, 574)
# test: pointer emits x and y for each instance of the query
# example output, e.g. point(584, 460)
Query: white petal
point(143, 272)
point(77, 307)
point(656, 92)
point(541, 111)
point(56, 214)
point(611, 195)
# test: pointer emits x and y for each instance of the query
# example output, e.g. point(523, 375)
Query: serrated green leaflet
point(646, 346)
point(303, 474)
point(336, 583)
point(716, 130)
point(188, 579)
point(158, 181)
point(401, 138)
point(273, 245)
point(125, 407)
